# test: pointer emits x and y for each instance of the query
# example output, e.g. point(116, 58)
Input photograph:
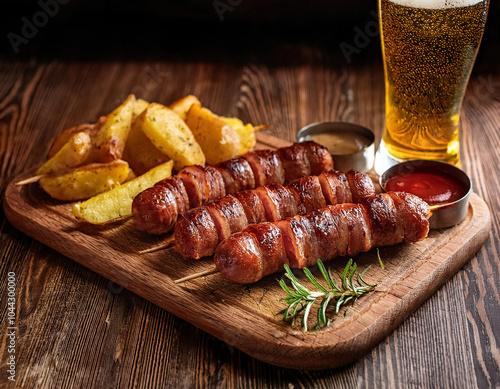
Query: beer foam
point(436, 4)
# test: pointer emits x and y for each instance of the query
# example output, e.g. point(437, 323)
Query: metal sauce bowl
point(361, 161)
point(443, 215)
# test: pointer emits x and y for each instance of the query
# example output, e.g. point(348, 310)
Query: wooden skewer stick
point(169, 242)
point(119, 219)
point(29, 180)
point(207, 272)
point(261, 127)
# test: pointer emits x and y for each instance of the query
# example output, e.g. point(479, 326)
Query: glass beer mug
point(429, 48)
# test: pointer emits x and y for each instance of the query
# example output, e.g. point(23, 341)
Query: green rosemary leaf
point(306, 314)
point(351, 274)
point(296, 310)
point(361, 281)
point(291, 294)
point(313, 280)
point(300, 289)
point(363, 272)
point(285, 287)
point(346, 270)
point(335, 288)
point(286, 311)
point(326, 276)
point(322, 310)
point(299, 308)
point(380, 259)
point(339, 304)
point(289, 273)
point(290, 300)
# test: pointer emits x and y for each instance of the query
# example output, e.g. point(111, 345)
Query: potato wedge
point(139, 152)
point(131, 175)
point(64, 136)
point(139, 107)
point(112, 133)
point(74, 153)
point(171, 136)
point(246, 133)
point(218, 140)
point(181, 107)
point(85, 181)
point(117, 203)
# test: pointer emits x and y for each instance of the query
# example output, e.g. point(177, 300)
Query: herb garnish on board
point(300, 299)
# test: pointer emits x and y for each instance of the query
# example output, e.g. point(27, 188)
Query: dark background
point(146, 29)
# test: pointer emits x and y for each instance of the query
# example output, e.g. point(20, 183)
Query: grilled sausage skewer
point(156, 209)
point(199, 231)
point(379, 220)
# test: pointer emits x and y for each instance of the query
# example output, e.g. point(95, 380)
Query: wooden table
point(78, 329)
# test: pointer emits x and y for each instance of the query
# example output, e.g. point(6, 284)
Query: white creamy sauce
point(344, 142)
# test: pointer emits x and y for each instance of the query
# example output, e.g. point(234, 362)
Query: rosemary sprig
point(380, 259)
point(300, 299)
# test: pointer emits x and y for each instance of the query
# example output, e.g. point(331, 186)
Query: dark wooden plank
point(481, 123)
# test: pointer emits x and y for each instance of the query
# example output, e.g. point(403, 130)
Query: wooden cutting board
point(247, 316)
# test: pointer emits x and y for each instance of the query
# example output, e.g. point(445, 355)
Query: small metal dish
point(361, 159)
point(443, 215)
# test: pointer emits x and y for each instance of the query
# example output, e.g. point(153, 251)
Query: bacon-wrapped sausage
point(337, 230)
point(156, 209)
point(200, 230)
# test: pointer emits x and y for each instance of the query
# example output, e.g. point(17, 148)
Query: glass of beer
point(429, 48)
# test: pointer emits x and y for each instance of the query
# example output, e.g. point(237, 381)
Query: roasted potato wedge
point(64, 136)
point(85, 181)
point(109, 141)
point(139, 107)
point(74, 153)
point(139, 152)
point(131, 175)
point(246, 132)
point(117, 203)
point(181, 107)
point(166, 130)
point(218, 140)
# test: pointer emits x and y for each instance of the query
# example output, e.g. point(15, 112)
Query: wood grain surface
point(247, 315)
point(76, 329)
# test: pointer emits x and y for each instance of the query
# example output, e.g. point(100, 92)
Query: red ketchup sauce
point(431, 186)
